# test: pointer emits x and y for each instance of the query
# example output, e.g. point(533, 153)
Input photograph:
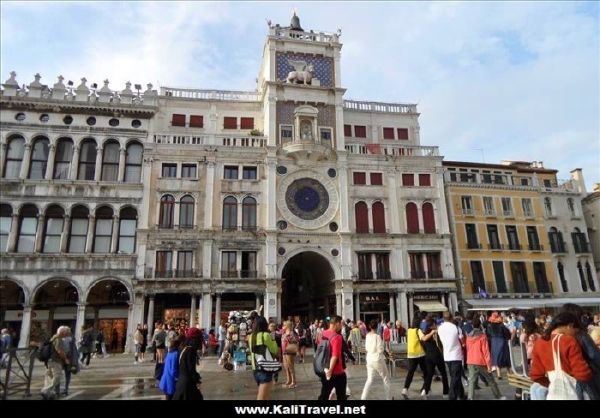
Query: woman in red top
point(571, 357)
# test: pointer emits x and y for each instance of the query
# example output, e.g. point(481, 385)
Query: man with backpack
point(53, 354)
point(329, 364)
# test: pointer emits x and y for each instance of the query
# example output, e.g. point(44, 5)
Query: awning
point(430, 306)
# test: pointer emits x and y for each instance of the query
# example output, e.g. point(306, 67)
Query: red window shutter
point(403, 133)
point(361, 213)
point(348, 130)
point(428, 218)
point(424, 180)
point(388, 133)
point(412, 218)
point(408, 180)
point(378, 218)
point(247, 123)
point(229, 122)
point(178, 120)
point(360, 177)
point(196, 121)
point(360, 131)
point(376, 179)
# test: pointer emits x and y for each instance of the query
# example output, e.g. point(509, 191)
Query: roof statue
point(302, 74)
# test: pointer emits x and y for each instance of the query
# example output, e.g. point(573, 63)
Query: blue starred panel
point(323, 67)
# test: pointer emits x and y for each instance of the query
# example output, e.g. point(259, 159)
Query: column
point(121, 175)
point(150, 318)
point(50, 165)
point(98, 173)
point(14, 232)
point(206, 311)
point(357, 306)
point(64, 238)
point(453, 302)
point(343, 185)
point(25, 326)
point(89, 243)
point(338, 303)
point(393, 205)
point(425, 266)
point(420, 214)
point(208, 195)
point(218, 310)
point(270, 304)
point(200, 314)
point(74, 163)
point(25, 163)
point(115, 234)
point(193, 311)
point(411, 310)
point(129, 334)
point(257, 304)
point(39, 234)
point(207, 259)
point(392, 307)
point(271, 192)
point(80, 321)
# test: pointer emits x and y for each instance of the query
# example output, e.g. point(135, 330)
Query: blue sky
point(520, 80)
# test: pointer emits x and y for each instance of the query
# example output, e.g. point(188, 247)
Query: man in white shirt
point(452, 340)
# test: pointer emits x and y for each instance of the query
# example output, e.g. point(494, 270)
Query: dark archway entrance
point(109, 300)
point(12, 299)
point(55, 304)
point(308, 288)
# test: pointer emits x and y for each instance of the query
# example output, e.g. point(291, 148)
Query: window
point(547, 183)
point(360, 131)
point(579, 241)
point(359, 177)
point(249, 173)
point(519, 277)
point(103, 233)
point(488, 206)
point(249, 214)
point(133, 163)
point(229, 122)
point(87, 160)
point(532, 237)
point(326, 136)
point(62, 159)
point(382, 266)
point(408, 180)
point(165, 217)
point(44, 117)
point(424, 180)
point(499, 276)
point(361, 215)
point(229, 264)
point(188, 171)
point(91, 121)
point(54, 228)
point(494, 238)
point(557, 244)
point(79, 229)
point(472, 241)
point(186, 212)
point(196, 121)
point(513, 237)
point(365, 270)
point(588, 270)
point(27, 228)
point(571, 206)
point(466, 177)
point(127, 228)
point(348, 130)
point(541, 282)
point(248, 264)
point(548, 206)
point(388, 133)
point(230, 213)
point(231, 172)
point(527, 208)
point(164, 264)
point(20, 116)
point(467, 205)
point(417, 270)
point(376, 179)
point(110, 162)
point(412, 218)
point(561, 275)
point(114, 122)
point(477, 276)
point(524, 181)
point(506, 206)
point(178, 120)
point(14, 157)
point(378, 218)
point(5, 225)
point(428, 218)
point(136, 123)
point(434, 265)
point(286, 133)
point(184, 264)
point(247, 123)
point(68, 120)
point(39, 159)
point(403, 134)
point(169, 170)
point(581, 276)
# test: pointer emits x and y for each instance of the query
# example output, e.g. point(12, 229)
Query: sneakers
point(423, 394)
point(405, 393)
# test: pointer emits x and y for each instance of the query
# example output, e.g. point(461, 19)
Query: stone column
point(206, 310)
point(129, 346)
point(79, 321)
point(200, 313)
point(257, 304)
point(115, 234)
point(25, 162)
point(401, 309)
point(89, 243)
point(14, 232)
point(347, 303)
point(453, 302)
point(64, 238)
point(420, 215)
point(39, 234)
point(193, 311)
point(343, 187)
point(50, 165)
point(150, 318)
point(208, 195)
point(356, 306)
point(411, 309)
point(121, 175)
point(393, 205)
point(338, 303)
point(74, 163)
point(392, 307)
point(270, 304)
point(25, 327)
point(217, 310)
point(271, 193)
point(98, 172)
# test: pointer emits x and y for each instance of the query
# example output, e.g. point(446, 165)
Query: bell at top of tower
point(295, 23)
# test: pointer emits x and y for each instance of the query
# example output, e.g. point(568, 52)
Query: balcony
point(245, 141)
point(508, 213)
point(150, 273)
point(558, 247)
point(378, 107)
point(474, 246)
point(536, 247)
point(514, 247)
point(393, 150)
point(495, 247)
point(468, 212)
point(581, 247)
point(366, 275)
point(384, 275)
point(225, 95)
point(418, 275)
point(435, 274)
point(237, 274)
point(181, 139)
point(493, 290)
point(490, 213)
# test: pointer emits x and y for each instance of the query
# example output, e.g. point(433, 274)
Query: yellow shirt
point(414, 348)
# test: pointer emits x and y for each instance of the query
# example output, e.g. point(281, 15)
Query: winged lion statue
point(302, 74)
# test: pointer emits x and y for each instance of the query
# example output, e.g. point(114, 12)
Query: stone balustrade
point(312, 36)
point(224, 95)
point(379, 107)
point(393, 150)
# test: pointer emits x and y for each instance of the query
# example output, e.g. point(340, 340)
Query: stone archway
point(308, 290)
point(54, 304)
point(108, 304)
point(12, 301)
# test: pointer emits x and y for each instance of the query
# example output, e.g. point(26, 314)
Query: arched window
point(14, 157)
point(87, 160)
point(186, 212)
point(428, 218)
point(361, 215)
point(588, 270)
point(133, 163)
point(378, 218)
point(165, 216)
point(548, 206)
point(230, 213)
point(62, 158)
point(127, 228)
point(412, 218)
point(103, 233)
point(561, 275)
point(571, 206)
point(5, 225)
point(581, 276)
point(54, 227)
point(110, 161)
point(28, 219)
point(39, 159)
point(79, 229)
point(249, 213)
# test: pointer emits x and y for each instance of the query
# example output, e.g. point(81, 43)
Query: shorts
point(160, 346)
point(262, 377)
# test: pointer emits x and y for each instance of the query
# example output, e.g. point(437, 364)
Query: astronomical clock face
point(307, 198)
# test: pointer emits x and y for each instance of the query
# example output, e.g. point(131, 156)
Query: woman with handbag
point(264, 350)
point(289, 346)
point(188, 382)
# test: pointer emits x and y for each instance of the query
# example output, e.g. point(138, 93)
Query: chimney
point(577, 179)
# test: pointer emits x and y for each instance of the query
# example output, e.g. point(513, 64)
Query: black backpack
point(322, 357)
point(45, 352)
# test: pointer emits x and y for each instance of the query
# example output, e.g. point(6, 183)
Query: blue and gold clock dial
point(307, 198)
